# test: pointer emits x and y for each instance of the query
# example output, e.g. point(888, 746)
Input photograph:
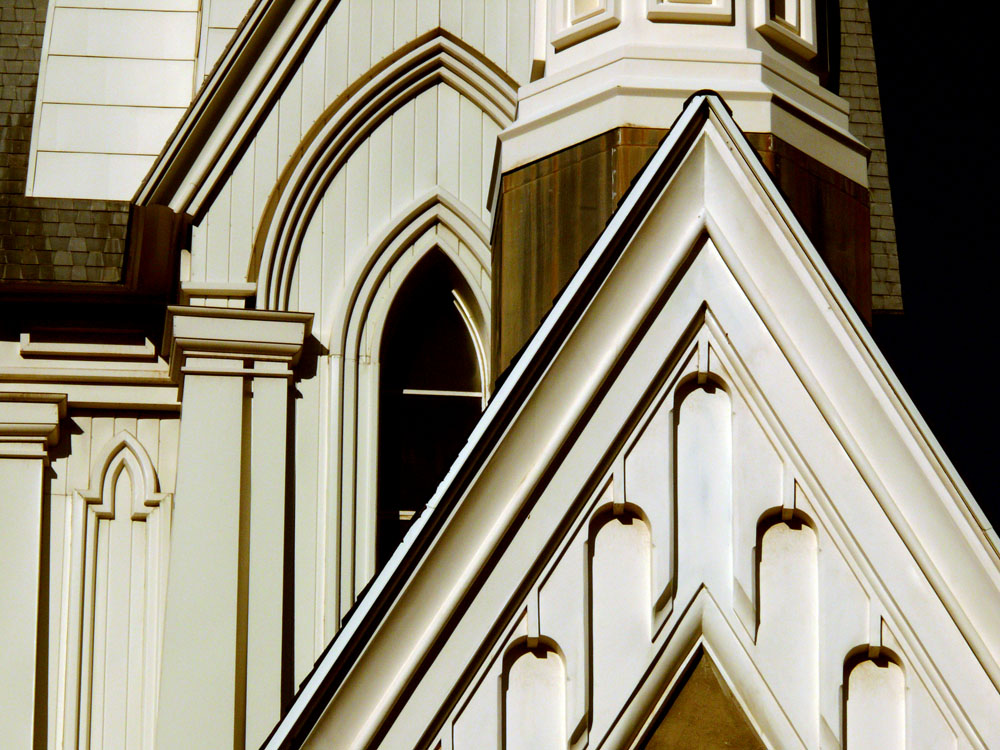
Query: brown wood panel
point(552, 211)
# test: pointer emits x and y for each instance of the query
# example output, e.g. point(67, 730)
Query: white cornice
point(224, 341)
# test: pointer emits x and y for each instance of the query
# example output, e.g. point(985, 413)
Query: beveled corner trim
point(565, 33)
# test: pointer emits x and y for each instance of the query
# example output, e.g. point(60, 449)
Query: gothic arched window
point(430, 394)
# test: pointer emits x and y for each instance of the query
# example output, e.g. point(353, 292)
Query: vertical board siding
point(313, 91)
point(359, 49)
point(447, 142)
point(290, 119)
point(217, 263)
point(403, 148)
point(358, 34)
point(379, 176)
point(404, 22)
point(473, 20)
point(439, 139)
point(382, 23)
point(308, 439)
point(428, 15)
point(425, 127)
point(241, 218)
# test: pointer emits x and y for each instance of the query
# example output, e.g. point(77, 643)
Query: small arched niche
point(703, 456)
point(430, 393)
point(534, 700)
point(788, 633)
point(620, 610)
point(875, 705)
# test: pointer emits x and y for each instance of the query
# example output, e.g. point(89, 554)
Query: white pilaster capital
point(29, 423)
point(224, 341)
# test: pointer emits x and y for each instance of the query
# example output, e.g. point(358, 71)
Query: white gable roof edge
point(252, 69)
point(529, 365)
point(693, 114)
point(846, 314)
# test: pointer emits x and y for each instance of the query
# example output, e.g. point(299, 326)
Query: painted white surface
point(705, 290)
point(20, 540)
point(108, 562)
point(788, 634)
point(620, 606)
point(534, 701)
point(876, 713)
point(29, 425)
point(85, 128)
point(118, 81)
point(103, 32)
point(88, 175)
point(219, 19)
point(200, 632)
point(134, 65)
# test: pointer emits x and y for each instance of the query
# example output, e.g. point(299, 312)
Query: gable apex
point(702, 228)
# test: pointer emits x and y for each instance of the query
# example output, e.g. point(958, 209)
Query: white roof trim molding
point(252, 74)
point(703, 225)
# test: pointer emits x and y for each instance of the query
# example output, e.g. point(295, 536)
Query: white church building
point(466, 375)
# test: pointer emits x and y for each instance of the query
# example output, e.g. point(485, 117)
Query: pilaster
point(222, 655)
point(29, 425)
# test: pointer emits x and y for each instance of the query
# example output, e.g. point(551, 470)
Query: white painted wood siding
point(115, 640)
point(438, 141)
point(115, 76)
point(219, 19)
point(349, 45)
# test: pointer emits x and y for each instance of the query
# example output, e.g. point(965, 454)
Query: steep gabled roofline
point(259, 60)
point(336, 662)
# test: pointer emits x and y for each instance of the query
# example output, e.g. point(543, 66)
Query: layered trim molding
point(430, 224)
point(222, 120)
point(223, 341)
point(349, 121)
point(29, 423)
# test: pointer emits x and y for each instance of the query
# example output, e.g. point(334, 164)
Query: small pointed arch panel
point(113, 600)
point(393, 141)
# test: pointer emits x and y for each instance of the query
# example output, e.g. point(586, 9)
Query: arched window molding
point(348, 122)
point(356, 335)
point(110, 655)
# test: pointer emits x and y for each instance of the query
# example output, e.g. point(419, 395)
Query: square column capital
point(224, 341)
point(29, 423)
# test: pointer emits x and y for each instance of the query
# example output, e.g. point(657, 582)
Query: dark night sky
point(937, 78)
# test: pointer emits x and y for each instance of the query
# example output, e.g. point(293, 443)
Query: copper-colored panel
point(704, 714)
point(551, 212)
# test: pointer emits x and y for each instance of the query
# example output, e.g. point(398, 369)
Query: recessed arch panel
point(348, 122)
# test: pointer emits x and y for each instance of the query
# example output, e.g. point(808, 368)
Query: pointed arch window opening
point(432, 376)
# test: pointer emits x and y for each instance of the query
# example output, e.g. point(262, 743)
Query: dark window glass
point(429, 396)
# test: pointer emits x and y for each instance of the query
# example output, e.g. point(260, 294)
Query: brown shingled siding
point(45, 239)
point(859, 85)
